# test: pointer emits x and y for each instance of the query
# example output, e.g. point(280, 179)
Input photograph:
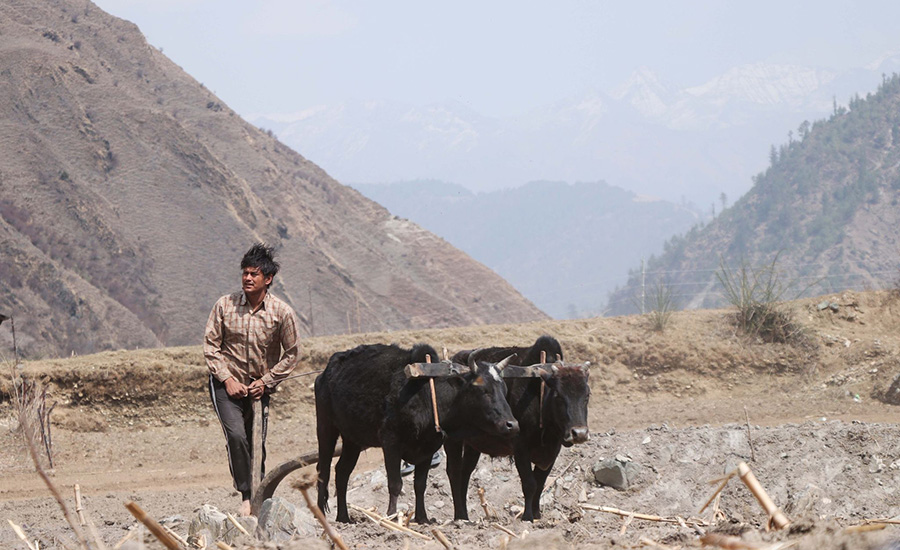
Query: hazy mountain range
point(645, 135)
point(564, 246)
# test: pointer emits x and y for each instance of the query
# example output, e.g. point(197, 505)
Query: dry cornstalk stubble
point(645, 517)
point(776, 516)
point(384, 522)
point(34, 421)
point(303, 484)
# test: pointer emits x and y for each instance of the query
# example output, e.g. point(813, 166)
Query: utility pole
point(643, 279)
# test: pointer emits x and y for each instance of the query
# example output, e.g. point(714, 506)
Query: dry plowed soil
point(813, 418)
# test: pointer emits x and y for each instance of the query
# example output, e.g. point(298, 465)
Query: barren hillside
point(128, 192)
point(826, 208)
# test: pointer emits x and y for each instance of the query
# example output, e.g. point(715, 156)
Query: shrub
point(757, 294)
point(663, 306)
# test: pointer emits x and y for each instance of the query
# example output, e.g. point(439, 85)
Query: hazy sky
point(499, 57)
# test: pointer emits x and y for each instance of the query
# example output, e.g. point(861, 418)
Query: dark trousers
point(236, 417)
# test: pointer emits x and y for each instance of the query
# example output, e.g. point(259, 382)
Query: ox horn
point(471, 359)
point(502, 364)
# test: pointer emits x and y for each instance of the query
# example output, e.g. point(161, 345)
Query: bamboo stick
point(389, 524)
point(177, 537)
point(776, 517)
point(95, 534)
point(237, 525)
point(885, 521)
point(541, 403)
point(645, 517)
point(29, 441)
point(626, 523)
point(724, 481)
point(509, 532)
point(441, 538)
point(407, 517)
point(437, 421)
point(153, 526)
point(78, 508)
point(329, 530)
point(222, 546)
point(21, 534)
point(124, 539)
point(489, 512)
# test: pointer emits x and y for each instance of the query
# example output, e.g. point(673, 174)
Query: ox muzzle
point(578, 434)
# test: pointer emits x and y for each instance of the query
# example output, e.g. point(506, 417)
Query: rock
point(805, 503)
point(249, 523)
point(279, 520)
point(892, 395)
point(209, 518)
point(378, 480)
point(616, 472)
point(172, 521)
point(276, 520)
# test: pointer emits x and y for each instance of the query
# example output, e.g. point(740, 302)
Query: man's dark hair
point(262, 257)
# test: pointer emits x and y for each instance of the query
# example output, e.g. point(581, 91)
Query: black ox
point(561, 421)
point(364, 397)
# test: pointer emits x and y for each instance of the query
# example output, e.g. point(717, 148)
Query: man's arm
point(290, 343)
point(212, 351)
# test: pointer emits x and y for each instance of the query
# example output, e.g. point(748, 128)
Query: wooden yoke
point(543, 386)
point(437, 421)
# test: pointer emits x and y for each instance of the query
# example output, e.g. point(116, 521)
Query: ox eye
point(478, 381)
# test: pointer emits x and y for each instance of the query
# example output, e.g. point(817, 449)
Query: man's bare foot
point(245, 508)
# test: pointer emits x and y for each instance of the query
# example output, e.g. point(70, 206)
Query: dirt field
point(137, 426)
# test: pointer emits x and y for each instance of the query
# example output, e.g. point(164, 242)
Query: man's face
point(253, 280)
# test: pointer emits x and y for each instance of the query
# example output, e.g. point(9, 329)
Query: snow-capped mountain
point(645, 135)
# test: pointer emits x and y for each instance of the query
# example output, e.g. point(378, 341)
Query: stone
point(279, 520)
point(617, 473)
point(209, 518)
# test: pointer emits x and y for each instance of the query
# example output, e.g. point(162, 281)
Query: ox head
point(567, 398)
point(481, 400)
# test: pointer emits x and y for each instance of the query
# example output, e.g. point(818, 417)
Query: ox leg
point(469, 462)
point(454, 450)
point(327, 434)
point(529, 486)
point(540, 478)
point(420, 483)
point(392, 469)
point(342, 472)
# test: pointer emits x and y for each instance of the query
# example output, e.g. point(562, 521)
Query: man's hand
point(256, 389)
point(235, 389)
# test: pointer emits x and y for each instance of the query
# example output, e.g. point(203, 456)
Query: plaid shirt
point(247, 344)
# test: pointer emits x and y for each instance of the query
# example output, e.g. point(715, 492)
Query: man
point(251, 344)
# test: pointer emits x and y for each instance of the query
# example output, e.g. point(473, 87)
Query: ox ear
point(502, 364)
